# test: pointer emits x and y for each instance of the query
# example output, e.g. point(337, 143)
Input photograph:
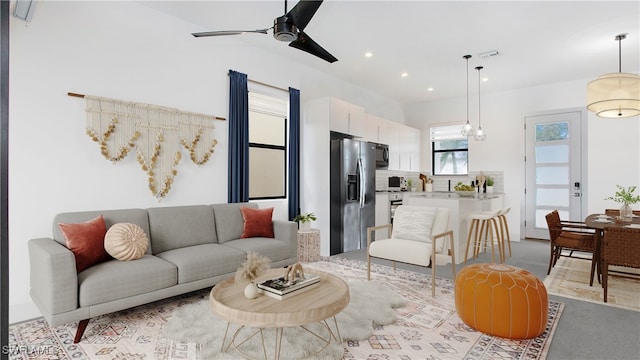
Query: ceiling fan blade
point(228, 32)
point(305, 43)
point(302, 13)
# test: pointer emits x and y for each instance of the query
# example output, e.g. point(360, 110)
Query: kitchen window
point(449, 151)
point(267, 147)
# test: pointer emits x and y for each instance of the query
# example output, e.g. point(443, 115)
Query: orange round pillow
point(125, 241)
point(502, 300)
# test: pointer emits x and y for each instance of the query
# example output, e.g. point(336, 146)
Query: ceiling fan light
point(615, 95)
point(284, 30)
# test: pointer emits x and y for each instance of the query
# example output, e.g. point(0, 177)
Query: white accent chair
point(420, 235)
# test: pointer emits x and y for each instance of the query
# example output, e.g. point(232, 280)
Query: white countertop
point(451, 196)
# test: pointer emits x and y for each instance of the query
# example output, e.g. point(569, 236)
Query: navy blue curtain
point(294, 152)
point(238, 174)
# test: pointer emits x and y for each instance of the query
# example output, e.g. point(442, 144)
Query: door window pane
point(552, 131)
point(552, 197)
point(552, 175)
point(552, 154)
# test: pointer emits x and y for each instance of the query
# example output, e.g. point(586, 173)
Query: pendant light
point(615, 95)
point(480, 134)
point(467, 130)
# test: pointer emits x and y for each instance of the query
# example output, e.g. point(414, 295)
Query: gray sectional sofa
point(191, 248)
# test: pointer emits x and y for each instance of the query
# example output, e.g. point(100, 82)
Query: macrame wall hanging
point(155, 133)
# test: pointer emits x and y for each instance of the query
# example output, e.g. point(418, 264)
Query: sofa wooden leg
point(82, 326)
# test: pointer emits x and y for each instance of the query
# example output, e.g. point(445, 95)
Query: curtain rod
point(82, 96)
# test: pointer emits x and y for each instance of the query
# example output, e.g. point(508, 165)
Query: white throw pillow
point(413, 223)
point(125, 241)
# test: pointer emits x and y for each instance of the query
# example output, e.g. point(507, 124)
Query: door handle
point(362, 183)
point(577, 194)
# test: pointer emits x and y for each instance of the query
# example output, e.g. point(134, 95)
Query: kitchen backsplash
point(440, 183)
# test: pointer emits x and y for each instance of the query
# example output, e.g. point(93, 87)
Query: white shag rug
point(370, 303)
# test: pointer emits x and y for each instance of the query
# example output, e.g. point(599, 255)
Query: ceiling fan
point(288, 27)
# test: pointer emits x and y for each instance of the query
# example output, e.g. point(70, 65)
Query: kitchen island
point(461, 207)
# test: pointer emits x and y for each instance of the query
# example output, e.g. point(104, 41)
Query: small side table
point(309, 245)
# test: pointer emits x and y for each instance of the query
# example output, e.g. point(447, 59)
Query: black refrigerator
point(352, 176)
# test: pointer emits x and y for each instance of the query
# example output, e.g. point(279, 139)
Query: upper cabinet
point(409, 148)
point(346, 118)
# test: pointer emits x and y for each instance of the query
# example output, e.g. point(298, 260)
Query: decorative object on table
point(525, 303)
point(480, 183)
point(255, 266)
point(490, 183)
point(294, 282)
point(427, 183)
point(464, 189)
point(304, 220)
point(626, 197)
point(615, 95)
point(156, 133)
point(410, 185)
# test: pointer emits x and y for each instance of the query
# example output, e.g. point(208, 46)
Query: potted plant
point(489, 185)
point(254, 266)
point(304, 220)
point(626, 197)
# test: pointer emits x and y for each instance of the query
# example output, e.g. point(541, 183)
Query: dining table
point(599, 222)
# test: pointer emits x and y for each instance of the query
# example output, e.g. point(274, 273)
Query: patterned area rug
point(570, 278)
point(426, 327)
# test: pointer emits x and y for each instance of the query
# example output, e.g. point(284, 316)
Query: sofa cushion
point(86, 241)
point(180, 226)
point(111, 217)
point(257, 222)
point(113, 280)
point(126, 241)
point(274, 249)
point(413, 223)
point(203, 261)
point(229, 222)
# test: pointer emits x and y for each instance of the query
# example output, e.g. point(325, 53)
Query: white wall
point(613, 150)
point(126, 51)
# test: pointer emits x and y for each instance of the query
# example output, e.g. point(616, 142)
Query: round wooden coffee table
point(227, 300)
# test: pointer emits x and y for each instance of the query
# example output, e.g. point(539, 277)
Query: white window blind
point(448, 132)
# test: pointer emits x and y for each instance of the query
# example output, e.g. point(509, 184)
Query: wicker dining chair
point(620, 247)
point(572, 236)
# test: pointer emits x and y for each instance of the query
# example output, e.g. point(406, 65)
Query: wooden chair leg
point(550, 260)
point(368, 266)
point(605, 276)
point(466, 252)
point(82, 326)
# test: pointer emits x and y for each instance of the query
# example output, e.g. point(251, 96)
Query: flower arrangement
point(255, 266)
point(625, 195)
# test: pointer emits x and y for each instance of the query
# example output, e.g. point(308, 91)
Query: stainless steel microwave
point(382, 156)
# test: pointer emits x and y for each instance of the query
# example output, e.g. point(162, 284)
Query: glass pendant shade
point(467, 130)
point(480, 134)
point(615, 95)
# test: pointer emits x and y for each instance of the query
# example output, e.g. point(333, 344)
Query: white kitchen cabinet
point(346, 118)
point(388, 134)
point(382, 214)
point(371, 128)
point(409, 148)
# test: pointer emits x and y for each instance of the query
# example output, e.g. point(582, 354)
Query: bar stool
point(484, 223)
point(504, 229)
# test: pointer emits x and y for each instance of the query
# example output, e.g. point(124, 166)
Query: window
point(267, 147)
point(449, 151)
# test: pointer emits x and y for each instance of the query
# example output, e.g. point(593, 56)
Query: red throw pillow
point(257, 222)
point(86, 241)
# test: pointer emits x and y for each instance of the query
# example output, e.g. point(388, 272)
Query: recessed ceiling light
point(404, 74)
point(430, 89)
point(484, 79)
point(368, 54)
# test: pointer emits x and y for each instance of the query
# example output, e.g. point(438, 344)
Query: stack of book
point(280, 289)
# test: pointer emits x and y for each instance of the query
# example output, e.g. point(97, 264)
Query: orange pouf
point(502, 300)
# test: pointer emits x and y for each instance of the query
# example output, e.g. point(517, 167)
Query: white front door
point(554, 178)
